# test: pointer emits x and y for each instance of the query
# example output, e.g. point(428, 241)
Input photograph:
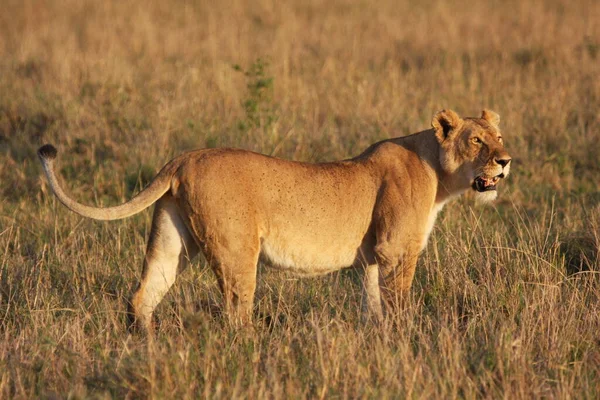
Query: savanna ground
point(506, 302)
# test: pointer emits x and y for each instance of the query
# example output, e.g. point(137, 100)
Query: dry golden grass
point(506, 302)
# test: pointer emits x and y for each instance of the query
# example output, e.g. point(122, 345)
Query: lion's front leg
point(396, 273)
point(372, 294)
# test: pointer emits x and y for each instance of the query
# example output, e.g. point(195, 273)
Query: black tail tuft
point(47, 151)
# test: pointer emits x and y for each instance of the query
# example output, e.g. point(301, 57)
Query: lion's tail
point(154, 191)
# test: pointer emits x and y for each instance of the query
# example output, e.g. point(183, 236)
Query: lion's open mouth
point(483, 184)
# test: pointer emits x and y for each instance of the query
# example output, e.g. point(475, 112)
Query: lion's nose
point(503, 161)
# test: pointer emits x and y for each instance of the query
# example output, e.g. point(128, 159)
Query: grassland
point(506, 302)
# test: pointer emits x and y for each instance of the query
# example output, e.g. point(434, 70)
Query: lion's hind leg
point(170, 246)
point(235, 266)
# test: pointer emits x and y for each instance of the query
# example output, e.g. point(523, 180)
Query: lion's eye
point(500, 139)
point(476, 140)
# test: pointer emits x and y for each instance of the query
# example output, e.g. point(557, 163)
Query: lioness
point(374, 211)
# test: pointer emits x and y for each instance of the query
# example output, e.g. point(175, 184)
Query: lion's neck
point(427, 147)
point(449, 186)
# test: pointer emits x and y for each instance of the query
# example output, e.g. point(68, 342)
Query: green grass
point(506, 298)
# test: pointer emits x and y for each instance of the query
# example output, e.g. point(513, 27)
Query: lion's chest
point(431, 222)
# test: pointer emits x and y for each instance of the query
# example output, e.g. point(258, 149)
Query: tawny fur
point(374, 211)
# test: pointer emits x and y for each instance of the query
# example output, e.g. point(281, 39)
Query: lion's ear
point(491, 117)
point(445, 122)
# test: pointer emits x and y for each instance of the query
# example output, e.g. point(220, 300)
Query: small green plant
point(258, 105)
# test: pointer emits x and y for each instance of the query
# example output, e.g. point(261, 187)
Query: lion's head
point(472, 151)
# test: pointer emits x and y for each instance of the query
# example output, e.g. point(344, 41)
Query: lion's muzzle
point(483, 184)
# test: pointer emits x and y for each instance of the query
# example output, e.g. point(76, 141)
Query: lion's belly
point(307, 258)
